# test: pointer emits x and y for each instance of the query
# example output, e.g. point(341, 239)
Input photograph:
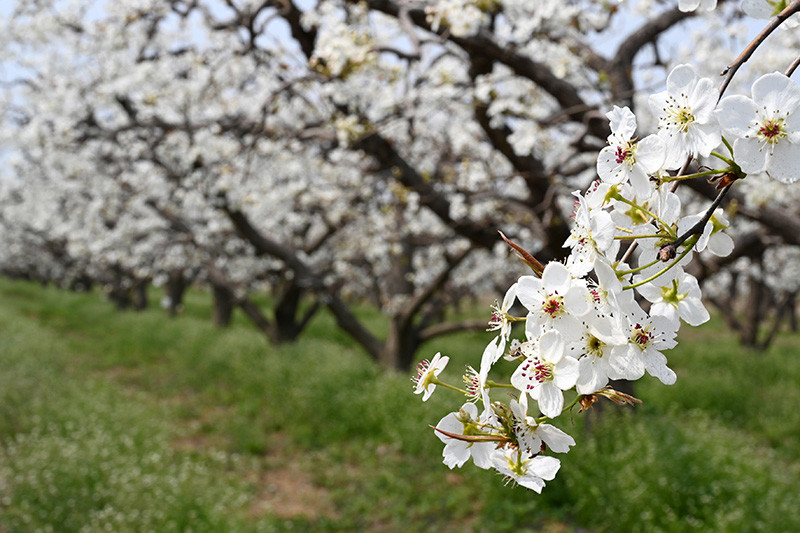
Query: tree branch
point(378, 147)
point(266, 246)
point(482, 46)
point(619, 69)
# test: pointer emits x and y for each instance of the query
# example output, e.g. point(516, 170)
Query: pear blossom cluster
point(612, 309)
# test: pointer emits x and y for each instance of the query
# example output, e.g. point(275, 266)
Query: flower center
point(542, 371)
point(621, 154)
point(423, 373)
point(595, 346)
point(517, 466)
point(641, 336)
point(683, 118)
point(472, 384)
point(596, 295)
point(772, 130)
point(678, 116)
point(496, 321)
point(553, 305)
point(671, 295)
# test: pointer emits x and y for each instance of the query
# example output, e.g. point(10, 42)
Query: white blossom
point(766, 128)
point(686, 120)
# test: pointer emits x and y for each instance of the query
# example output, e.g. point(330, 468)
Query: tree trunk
point(139, 294)
point(81, 283)
point(117, 293)
point(119, 296)
point(286, 309)
point(174, 290)
point(753, 313)
point(223, 303)
point(397, 352)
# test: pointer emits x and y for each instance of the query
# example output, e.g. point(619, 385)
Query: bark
point(139, 299)
point(119, 297)
point(400, 346)
point(390, 159)
point(783, 310)
point(290, 320)
point(753, 313)
point(223, 303)
point(174, 290)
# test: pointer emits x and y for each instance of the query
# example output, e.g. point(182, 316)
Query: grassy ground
point(134, 422)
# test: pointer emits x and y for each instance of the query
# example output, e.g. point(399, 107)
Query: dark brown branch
point(416, 303)
point(308, 315)
point(727, 310)
point(481, 46)
point(783, 308)
point(389, 159)
point(249, 308)
point(176, 223)
point(774, 219)
point(619, 70)
point(668, 250)
point(305, 277)
point(532, 169)
point(306, 38)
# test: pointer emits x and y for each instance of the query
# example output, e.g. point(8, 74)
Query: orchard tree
point(341, 151)
point(163, 157)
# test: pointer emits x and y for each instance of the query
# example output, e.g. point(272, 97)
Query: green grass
point(136, 422)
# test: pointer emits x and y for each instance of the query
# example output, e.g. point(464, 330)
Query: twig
point(731, 69)
point(669, 250)
point(792, 67)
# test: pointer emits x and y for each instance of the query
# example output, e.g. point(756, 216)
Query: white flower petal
point(705, 137)
point(775, 91)
point(650, 153)
point(750, 155)
point(735, 113)
point(784, 162)
point(545, 467)
point(681, 79)
point(622, 122)
point(704, 100)
point(529, 292)
point(556, 277)
point(550, 398)
point(591, 378)
point(566, 373)
point(720, 244)
point(624, 363)
point(693, 312)
point(551, 346)
point(656, 364)
point(760, 9)
point(556, 440)
point(577, 300)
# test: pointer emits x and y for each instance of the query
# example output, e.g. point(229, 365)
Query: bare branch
point(731, 69)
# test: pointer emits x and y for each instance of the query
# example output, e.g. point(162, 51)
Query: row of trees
point(340, 152)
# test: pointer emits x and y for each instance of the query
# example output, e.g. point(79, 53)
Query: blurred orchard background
point(231, 227)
